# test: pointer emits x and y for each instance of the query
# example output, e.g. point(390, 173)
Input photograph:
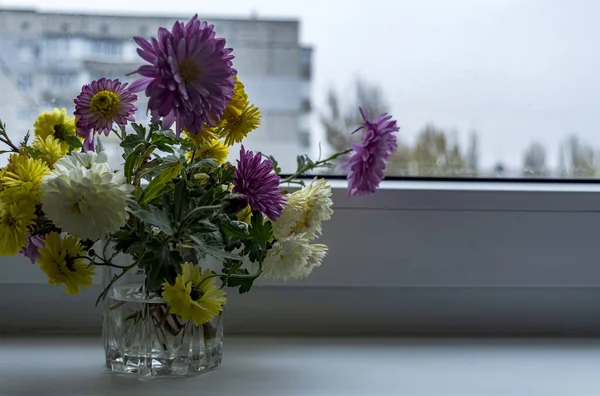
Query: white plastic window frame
point(411, 239)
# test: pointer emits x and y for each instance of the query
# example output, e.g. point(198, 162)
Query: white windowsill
point(478, 185)
point(358, 366)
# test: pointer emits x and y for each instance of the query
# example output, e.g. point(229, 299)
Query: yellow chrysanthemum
point(55, 123)
point(23, 181)
point(194, 295)
point(50, 148)
point(13, 159)
point(3, 172)
point(62, 261)
point(214, 148)
point(14, 220)
point(203, 136)
point(237, 104)
point(236, 128)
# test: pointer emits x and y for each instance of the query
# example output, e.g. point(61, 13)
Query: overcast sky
point(514, 70)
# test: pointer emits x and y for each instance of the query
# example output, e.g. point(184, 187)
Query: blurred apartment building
point(45, 58)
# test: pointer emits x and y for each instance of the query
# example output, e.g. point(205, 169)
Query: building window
point(60, 81)
point(97, 75)
point(25, 26)
point(26, 53)
point(110, 48)
point(24, 82)
point(306, 63)
point(306, 106)
point(57, 47)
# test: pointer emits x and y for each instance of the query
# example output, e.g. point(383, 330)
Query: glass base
point(141, 339)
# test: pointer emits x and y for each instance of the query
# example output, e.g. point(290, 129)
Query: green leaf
point(168, 134)
point(99, 146)
point(261, 231)
point(164, 139)
point(244, 284)
point(227, 174)
point(130, 162)
point(204, 162)
point(125, 242)
point(25, 139)
point(158, 184)
point(300, 162)
point(170, 159)
point(197, 213)
point(181, 197)
point(212, 244)
point(160, 262)
point(73, 141)
point(144, 157)
point(163, 146)
point(131, 141)
point(202, 227)
point(140, 130)
point(154, 216)
point(149, 150)
point(275, 164)
point(154, 167)
point(233, 228)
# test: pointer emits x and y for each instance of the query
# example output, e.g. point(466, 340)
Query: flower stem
point(114, 280)
point(313, 165)
point(9, 144)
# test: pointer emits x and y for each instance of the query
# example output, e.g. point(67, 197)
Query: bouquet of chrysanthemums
point(177, 200)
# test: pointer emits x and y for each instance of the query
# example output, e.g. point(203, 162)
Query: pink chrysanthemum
point(100, 105)
point(368, 159)
point(255, 181)
point(190, 78)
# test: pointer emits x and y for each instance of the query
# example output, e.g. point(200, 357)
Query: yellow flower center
point(9, 221)
point(70, 263)
point(105, 103)
point(75, 208)
point(189, 70)
point(195, 294)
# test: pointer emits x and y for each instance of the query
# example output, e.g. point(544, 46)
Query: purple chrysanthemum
point(31, 249)
point(368, 159)
point(101, 104)
point(88, 139)
point(190, 78)
point(255, 181)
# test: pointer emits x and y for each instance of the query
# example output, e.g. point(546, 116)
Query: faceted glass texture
point(142, 339)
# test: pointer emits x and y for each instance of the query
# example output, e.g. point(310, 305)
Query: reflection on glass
point(502, 88)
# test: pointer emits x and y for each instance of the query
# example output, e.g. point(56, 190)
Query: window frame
point(404, 289)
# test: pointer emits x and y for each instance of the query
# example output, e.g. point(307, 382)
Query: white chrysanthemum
point(292, 257)
point(90, 160)
point(84, 198)
point(307, 208)
point(292, 215)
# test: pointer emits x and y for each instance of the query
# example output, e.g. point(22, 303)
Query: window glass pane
point(494, 88)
